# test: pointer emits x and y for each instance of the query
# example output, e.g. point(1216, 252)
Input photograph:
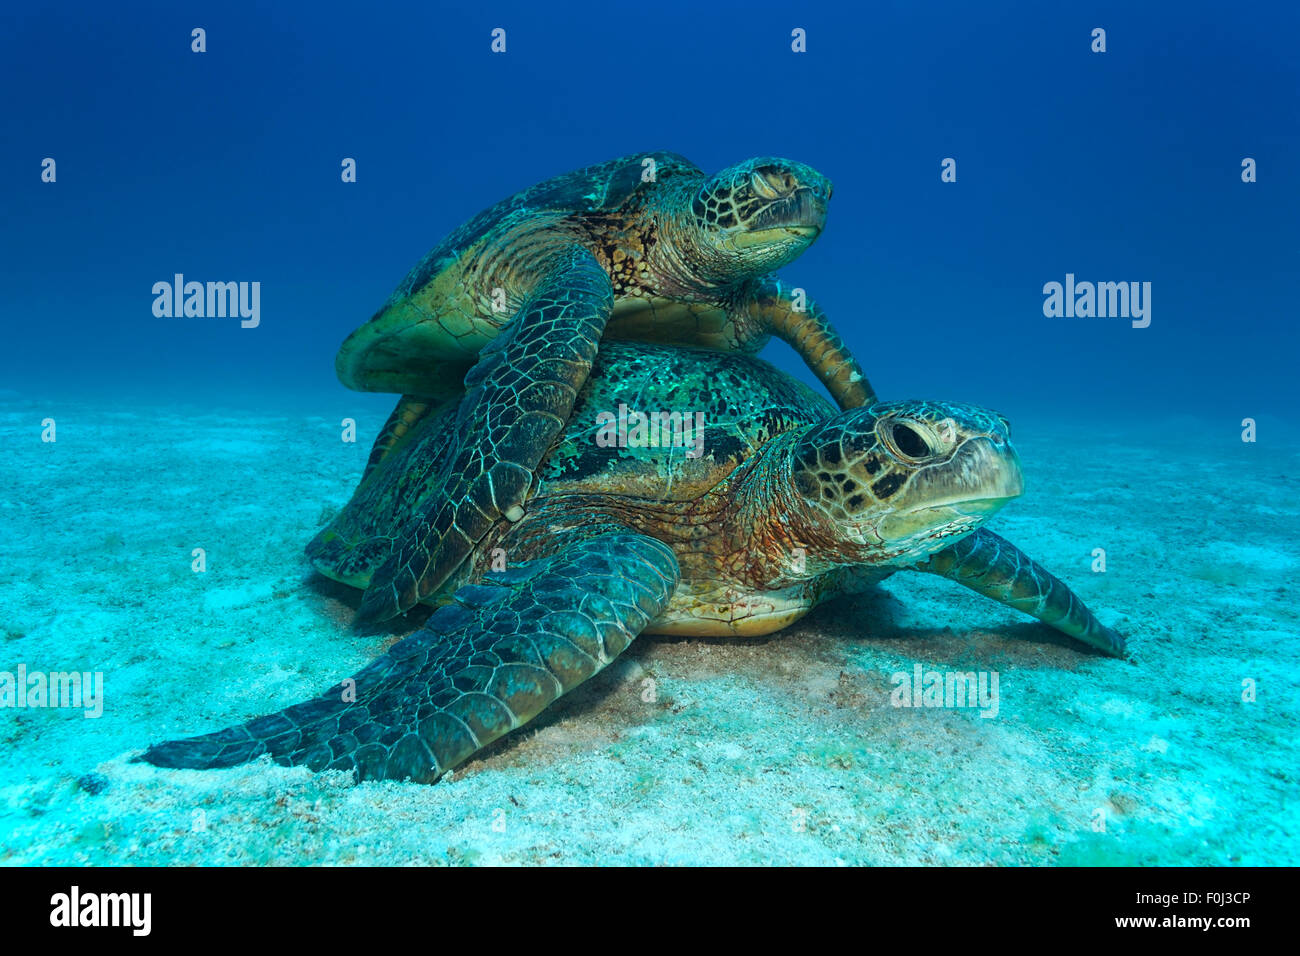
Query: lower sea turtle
point(692, 492)
point(508, 310)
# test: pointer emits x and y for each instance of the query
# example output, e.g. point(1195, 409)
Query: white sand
point(784, 751)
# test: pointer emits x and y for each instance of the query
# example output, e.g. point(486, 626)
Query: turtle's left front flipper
point(520, 394)
point(483, 665)
point(996, 568)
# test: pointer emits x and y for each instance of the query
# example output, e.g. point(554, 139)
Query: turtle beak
point(798, 218)
point(804, 210)
point(980, 478)
point(959, 494)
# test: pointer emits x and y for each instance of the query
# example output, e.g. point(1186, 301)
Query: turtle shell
point(407, 337)
point(668, 423)
point(744, 403)
point(604, 186)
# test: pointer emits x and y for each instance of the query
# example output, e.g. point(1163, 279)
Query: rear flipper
point(996, 568)
point(483, 665)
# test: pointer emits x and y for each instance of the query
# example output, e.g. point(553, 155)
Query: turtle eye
point(908, 440)
point(763, 186)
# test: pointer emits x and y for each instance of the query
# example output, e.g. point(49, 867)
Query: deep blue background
point(225, 166)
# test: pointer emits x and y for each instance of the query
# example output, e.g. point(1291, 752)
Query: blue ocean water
point(1071, 166)
point(1115, 166)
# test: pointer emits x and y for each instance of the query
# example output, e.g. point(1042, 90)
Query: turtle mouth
point(979, 479)
point(933, 525)
point(974, 506)
point(986, 504)
point(938, 521)
point(777, 235)
point(802, 213)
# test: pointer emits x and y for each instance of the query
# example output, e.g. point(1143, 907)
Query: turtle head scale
point(897, 481)
point(758, 215)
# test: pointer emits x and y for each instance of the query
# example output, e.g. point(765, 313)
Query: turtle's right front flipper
point(993, 566)
point(483, 665)
point(799, 321)
point(521, 393)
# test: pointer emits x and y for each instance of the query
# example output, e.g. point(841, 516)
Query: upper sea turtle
point(513, 303)
point(638, 522)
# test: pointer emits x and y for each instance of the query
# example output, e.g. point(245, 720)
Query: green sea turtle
point(513, 303)
point(637, 525)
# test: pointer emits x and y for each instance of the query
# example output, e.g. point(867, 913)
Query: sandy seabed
point(781, 751)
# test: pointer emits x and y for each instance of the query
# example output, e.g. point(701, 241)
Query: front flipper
point(410, 411)
point(996, 568)
point(802, 324)
point(483, 665)
point(521, 393)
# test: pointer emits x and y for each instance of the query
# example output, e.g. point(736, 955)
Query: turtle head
point(892, 483)
point(757, 216)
